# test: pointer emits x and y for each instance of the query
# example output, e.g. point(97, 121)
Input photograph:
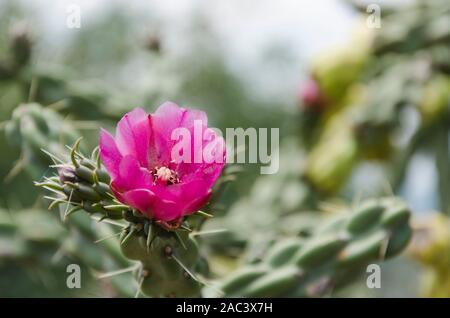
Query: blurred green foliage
point(51, 92)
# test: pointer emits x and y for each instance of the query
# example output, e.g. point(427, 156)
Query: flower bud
point(67, 174)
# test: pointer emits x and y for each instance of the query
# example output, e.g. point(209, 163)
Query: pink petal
point(132, 175)
point(167, 210)
point(211, 169)
point(195, 194)
point(149, 204)
point(140, 199)
point(154, 153)
point(168, 117)
point(163, 122)
point(133, 135)
point(109, 154)
point(197, 203)
point(192, 115)
point(117, 192)
point(191, 194)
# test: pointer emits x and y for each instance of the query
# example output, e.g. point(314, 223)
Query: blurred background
point(361, 100)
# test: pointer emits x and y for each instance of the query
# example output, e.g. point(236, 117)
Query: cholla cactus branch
point(379, 229)
point(82, 183)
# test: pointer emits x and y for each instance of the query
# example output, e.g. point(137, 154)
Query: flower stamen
point(165, 175)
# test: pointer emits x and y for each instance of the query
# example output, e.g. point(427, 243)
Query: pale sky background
point(249, 28)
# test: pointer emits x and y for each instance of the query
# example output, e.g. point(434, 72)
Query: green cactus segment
point(276, 282)
point(319, 250)
point(311, 267)
point(241, 278)
point(365, 217)
point(168, 263)
point(283, 252)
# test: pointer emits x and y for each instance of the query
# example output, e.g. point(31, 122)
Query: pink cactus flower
point(145, 173)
